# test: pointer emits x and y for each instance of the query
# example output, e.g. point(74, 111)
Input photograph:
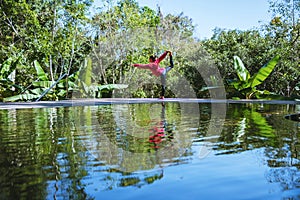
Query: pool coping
point(107, 101)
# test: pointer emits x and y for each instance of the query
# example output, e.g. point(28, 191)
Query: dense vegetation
point(56, 49)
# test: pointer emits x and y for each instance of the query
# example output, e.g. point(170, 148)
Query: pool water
point(150, 151)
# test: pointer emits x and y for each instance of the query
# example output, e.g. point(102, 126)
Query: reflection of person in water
point(161, 132)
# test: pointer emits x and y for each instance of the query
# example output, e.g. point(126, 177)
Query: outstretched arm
point(142, 66)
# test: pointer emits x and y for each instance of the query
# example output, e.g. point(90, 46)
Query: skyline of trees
point(63, 36)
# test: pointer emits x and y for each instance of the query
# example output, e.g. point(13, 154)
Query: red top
point(154, 66)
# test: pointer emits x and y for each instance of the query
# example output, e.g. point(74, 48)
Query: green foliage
point(284, 31)
point(7, 72)
point(126, 34)
point(246, 84)
point(8, 67)
point(38, 86)
point(251, 46)
point(264, 129)
point(22, 97)
point(42, 86)
point(249, 123)
point(52, 33)
point(98, 91)
point(241, 70)
point(59, 36)
point(264, 72)
point(42, 76)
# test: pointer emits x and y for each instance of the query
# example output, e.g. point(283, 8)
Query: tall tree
point(284, 29)
point(51, 32)
point(127, 33)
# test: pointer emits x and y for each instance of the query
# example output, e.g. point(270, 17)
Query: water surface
point(134, 151)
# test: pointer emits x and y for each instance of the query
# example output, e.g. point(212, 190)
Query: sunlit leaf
point(8, 66)
point(21, 97)
point(264, 72)
point(241, 70)
point(40, 72)
point(42, 84)
point(37, 91)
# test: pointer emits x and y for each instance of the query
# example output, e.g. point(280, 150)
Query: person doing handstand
point(156, 70)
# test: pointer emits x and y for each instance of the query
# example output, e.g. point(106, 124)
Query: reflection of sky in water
point(104, 152)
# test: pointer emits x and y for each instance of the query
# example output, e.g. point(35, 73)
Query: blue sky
point(209, 14)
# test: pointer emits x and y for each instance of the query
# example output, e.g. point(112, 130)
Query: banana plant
point(88, 89)
point(246, 84)
point(76, 83)
point(42, 86)
point(37, 86)
point(7, 71)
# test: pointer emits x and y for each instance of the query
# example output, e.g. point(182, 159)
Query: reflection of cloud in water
point(288, 177)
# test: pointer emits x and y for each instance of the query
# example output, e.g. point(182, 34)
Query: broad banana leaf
point(112, 86)
point(241, 70)
point(37, 91)
point(42, 84)
point(264, 72)
point(62, 93)
point(40, 72)
point(21, 97)
point(8, 66)
point(92, 89)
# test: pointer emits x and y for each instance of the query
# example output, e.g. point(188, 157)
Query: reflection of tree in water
point(284, 168)
point(121, 142)
point(264, 127)
point(38, 155)
point(137, 180)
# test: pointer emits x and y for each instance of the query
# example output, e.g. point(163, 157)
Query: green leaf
point(242, 72)
point(236, 84)
point(87, 72)
point(8, 66)
point(37, 91)
point(264, 129)
point(85, 87)
point(5, 68)
point(62, 93)
point(42, 84)
point(210, 88)
point(40, 72)
point(265, 71)
point(21, 97)
point(112, 86)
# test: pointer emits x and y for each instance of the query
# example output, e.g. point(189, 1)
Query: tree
point(251, 46)
point(50, 32)
point(118, 29)
point(246, 84)
point(284, 30)
point(127, 33)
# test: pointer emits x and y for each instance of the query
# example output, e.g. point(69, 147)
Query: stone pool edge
point(106, 101)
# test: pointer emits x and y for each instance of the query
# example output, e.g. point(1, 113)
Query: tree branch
point(10, 23)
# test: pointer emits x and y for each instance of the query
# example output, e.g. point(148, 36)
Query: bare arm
point(142, 66)
point(158, 60)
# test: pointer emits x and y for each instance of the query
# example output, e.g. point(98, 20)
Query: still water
point(150, 151)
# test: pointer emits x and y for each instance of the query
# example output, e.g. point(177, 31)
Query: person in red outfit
point(156, 70)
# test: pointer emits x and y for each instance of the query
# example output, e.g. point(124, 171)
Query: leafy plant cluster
point(53, 50)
